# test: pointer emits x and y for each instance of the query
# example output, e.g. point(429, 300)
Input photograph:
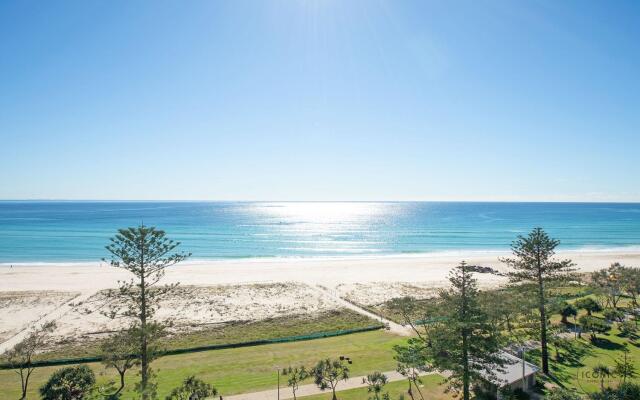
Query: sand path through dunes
point(393, 327)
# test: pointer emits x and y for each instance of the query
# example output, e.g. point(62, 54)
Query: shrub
point(594, 325)
point(589, 304)
point(628, 329)
point(567, 310)
point(192, 388)
point(562, 394)
point(613, 315)
point(72, 383)
point(626, 391)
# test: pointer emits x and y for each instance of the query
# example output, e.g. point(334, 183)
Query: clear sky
point(320, 100)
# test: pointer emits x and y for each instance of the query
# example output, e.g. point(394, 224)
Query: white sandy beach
point(426, 268)
point(242, 290)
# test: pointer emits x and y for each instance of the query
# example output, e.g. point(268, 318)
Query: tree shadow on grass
point(606, 344)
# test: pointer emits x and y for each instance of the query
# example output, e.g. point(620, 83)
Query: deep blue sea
point(65, 231)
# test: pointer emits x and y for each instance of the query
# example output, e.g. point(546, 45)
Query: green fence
point(312, 336)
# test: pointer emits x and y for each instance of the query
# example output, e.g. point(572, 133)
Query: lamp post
point(278, 373)
point(524, 382)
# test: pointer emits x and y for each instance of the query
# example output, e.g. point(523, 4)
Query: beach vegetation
point(412, 361)
point(588, 304)
point(71, 383)
point(375, 386)
point(146, 252)
point(21, 356)
point(609, 283)
point(120, 352)
point(192, 388)
point(328, 373)
point(563, 394)
point(295, 376)
point(594, 326)
point(567, 310)
point(533, 263)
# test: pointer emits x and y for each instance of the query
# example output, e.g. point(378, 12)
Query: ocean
point(69, 231)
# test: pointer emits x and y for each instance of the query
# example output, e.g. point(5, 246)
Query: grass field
point(574, 367)
point(431, 389)
point(244, 369)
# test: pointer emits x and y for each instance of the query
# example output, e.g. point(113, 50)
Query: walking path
point(311, 389)
point(52, 316)
point(393, 326)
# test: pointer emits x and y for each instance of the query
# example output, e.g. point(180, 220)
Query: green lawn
point(431, 389)
point(245, 369)
point(573, 369)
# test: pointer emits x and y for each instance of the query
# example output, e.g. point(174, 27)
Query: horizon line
point(319, 201)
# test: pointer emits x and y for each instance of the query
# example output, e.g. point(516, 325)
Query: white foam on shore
point(462, 254)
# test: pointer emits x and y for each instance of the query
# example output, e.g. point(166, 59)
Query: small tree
point(533, 263)
point(375, 385)
point(613, 314)
point(624, 368)
point(411, 362)
point(588, 304)
point(567, 310)
point(631, 283)
point(192, 388)
point(294, 377)
point(72, 383)
point(145, 252)
point(120, 353)
point(628, 329)
point(601, 371)
point(560, 343)
point(328, 373)
point(609, 282)
point(20, 357)
point(594, 326)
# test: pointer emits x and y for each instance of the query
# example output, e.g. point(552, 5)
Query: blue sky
point(320, 100)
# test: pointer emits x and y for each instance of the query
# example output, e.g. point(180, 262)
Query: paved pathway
point(393, 326)
point(310, 389)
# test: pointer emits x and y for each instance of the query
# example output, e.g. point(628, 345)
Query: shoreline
point(630, 250)
point(423, 268)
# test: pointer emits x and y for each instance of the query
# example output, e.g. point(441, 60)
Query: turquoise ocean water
point(78, 231)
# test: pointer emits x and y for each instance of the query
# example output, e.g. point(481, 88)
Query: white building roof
point(511, 371)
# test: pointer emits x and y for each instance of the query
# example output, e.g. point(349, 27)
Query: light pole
point(278, 372)
point(524, 382)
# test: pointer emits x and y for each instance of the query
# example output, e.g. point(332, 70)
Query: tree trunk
point(543, 321)
point(25, 385)
point(410, 392)
point(121, 382)
point(144, 360)
point(466, 395)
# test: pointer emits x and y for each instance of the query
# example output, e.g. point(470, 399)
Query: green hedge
point(312, 336)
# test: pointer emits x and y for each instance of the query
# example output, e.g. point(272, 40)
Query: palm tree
point(375, 384)
point(601, 371)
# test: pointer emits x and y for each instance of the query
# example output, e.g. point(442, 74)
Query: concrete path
point(393, 326)
point(311, 389)
point(52, 316)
